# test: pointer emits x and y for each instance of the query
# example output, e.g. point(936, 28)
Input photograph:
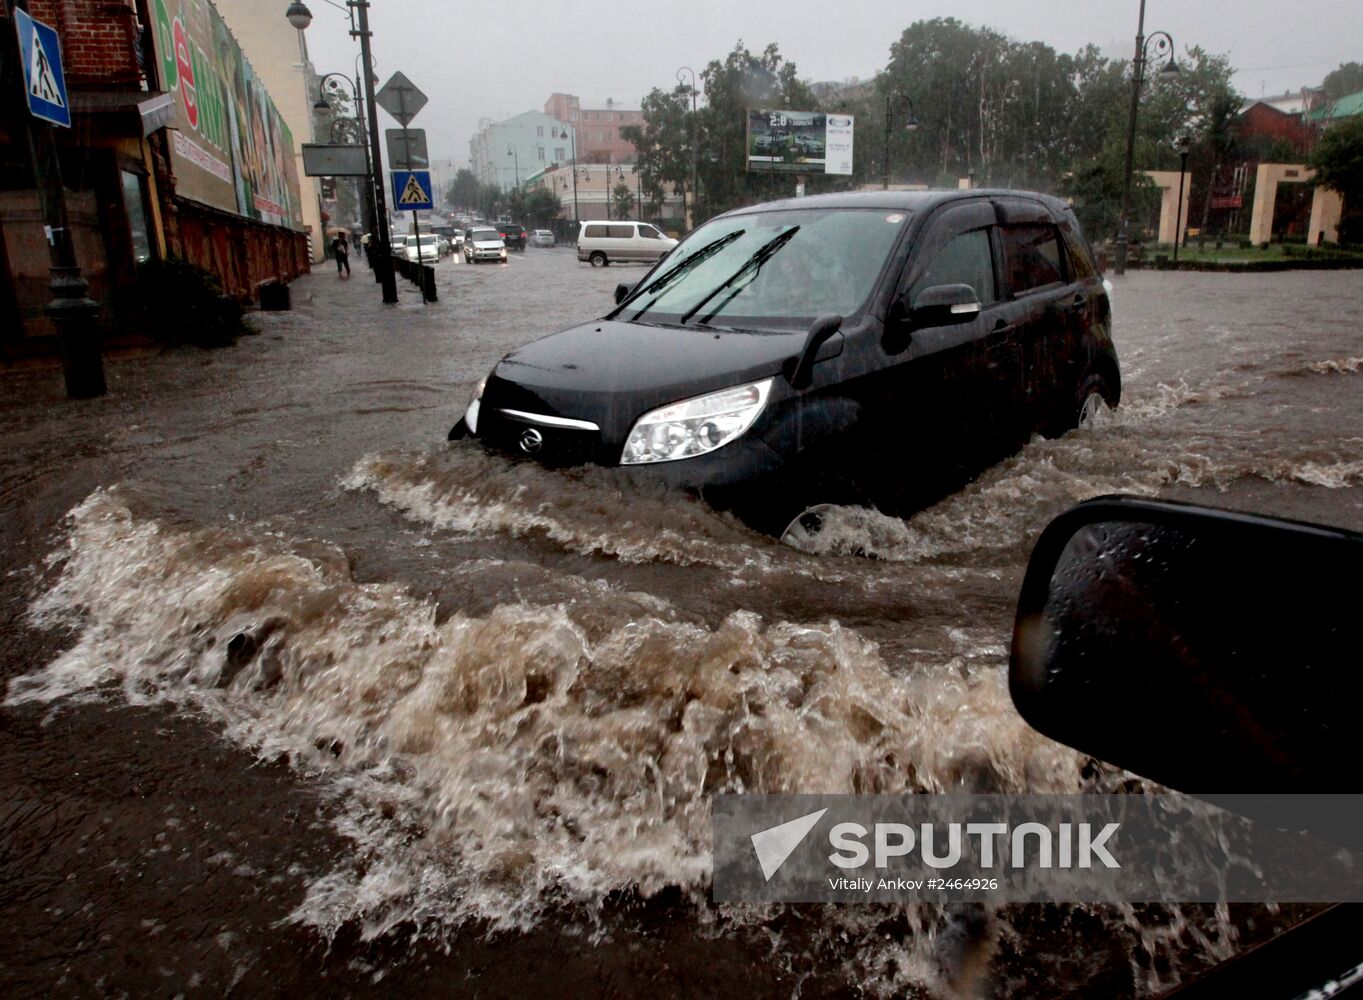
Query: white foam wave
point(498, 765)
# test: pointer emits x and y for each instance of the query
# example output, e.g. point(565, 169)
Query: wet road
point(303, 699)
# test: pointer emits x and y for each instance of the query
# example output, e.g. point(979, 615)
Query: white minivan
point(603, 243)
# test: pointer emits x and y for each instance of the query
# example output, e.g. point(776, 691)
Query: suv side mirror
point(622, 292)
point(941, 305)
point(1211, 651)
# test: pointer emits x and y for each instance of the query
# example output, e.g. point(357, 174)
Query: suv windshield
point(484, 234)
point(820, 261)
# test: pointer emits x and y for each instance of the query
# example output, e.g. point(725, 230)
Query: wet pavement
point(302, 699)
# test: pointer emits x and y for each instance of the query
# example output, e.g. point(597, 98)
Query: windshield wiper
point(658, 284)
point(754, 263)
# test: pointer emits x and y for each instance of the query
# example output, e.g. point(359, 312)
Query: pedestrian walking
point(341, 248)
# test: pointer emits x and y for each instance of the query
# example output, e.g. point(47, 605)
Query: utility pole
point(384, 268)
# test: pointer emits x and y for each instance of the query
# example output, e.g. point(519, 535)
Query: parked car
point(425, 248)
point(847, 348)
point(543, 238)
point(513, 235)
point(483, 243)
point(604, 243)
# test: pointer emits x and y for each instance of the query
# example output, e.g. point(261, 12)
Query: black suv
point(513, 235)
point(871, 348)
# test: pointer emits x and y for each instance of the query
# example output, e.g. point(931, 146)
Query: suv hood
point(610, 372)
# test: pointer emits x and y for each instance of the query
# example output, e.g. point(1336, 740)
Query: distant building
point(593, 196)
point(598, 129)
point(502, 152)
point(1328, 112)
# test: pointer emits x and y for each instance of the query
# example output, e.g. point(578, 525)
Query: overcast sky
point(477, 60)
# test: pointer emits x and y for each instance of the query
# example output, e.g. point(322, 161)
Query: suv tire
point(598, 259)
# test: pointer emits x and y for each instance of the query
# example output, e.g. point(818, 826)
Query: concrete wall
point(1266, 182)
point(1167, 181)
point(278, 54)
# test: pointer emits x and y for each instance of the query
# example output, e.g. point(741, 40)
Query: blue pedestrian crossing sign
point(412, 190)
point(41, 57)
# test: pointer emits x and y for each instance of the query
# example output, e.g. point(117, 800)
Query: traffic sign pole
point(71, 309)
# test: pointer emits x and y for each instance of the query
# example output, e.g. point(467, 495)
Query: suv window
point(1032, 257)
point(649, 233)
point(620, 232)
point(965, 260)
point(595, 232)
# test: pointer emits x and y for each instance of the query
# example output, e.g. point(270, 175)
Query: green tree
point(1338, 162)
point(542, 207)
point(623, 199)
point(663, 143)
point(463, 192)
point(1342, 82)
point(742, 81)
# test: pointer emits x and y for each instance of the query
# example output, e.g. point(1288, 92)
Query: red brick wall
point(97, 38)
point(1261, 120)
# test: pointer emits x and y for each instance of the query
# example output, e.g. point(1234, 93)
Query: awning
point(125, 113)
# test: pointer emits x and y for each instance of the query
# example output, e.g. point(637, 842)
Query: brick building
point(598, 129)
point(174, 150)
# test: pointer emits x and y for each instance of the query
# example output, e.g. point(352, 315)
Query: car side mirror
point(824, 327)
point(1211, 651)
point(940, 305)
point(622, 292)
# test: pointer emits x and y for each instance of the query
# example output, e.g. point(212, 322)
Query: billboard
point(229, 147)
point(800, 142)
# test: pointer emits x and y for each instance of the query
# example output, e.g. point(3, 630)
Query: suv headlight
point(695, 426)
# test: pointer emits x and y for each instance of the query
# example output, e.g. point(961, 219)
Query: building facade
point(174, 150)
point(598, 129)
point(280, 55)
point(508, 152)
point(593, 196)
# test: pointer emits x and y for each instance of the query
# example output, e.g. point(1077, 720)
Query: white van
point(602, 243)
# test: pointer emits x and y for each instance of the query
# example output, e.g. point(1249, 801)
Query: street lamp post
point(909, 126)
point(515, 159)
point(573, 136)
point(1183, 145)
point(300, 17)
point(336, 84)
point(1163, 43)
point(695, 144)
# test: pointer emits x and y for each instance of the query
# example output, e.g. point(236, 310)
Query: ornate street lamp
point(338, 85)
point(511, 151)
point(573, 136)
point(1163, 44)
point(910, 125)
point(695, 143)
point(300, 17)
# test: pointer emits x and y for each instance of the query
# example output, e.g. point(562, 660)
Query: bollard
point(428, 283)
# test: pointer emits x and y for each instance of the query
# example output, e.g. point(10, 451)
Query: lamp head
point(1170, 69)
point(298, 14)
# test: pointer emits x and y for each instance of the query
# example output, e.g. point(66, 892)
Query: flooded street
point(300, 698)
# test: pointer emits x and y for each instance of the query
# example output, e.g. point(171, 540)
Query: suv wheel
point(1092, 399)
point(598, 259)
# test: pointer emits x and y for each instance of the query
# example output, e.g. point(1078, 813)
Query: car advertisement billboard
point(230, 148)
point(800, 142)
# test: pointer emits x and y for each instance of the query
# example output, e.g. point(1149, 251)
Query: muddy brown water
point(301, 699)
